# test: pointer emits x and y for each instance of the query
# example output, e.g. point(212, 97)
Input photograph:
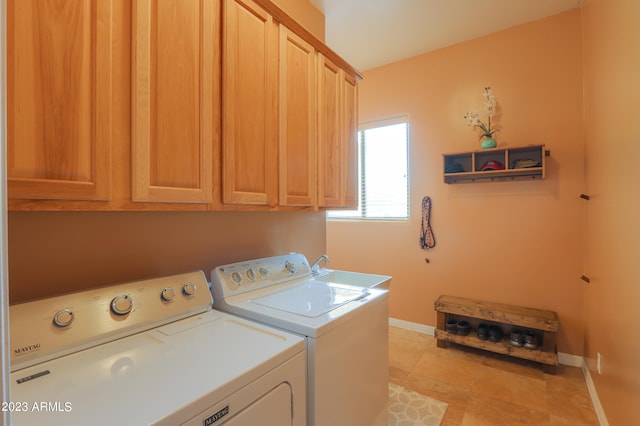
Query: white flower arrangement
point(473, 117)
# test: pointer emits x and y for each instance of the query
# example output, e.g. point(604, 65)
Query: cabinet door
point(330, 157)
point(349, 127)
point(249, 105)
point(59, 106)
point(298, 100)
point(337, 136)
point(174, 73)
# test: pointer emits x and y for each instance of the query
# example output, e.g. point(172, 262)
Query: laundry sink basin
point(356, 279)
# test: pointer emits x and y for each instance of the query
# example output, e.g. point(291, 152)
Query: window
point(383, 172)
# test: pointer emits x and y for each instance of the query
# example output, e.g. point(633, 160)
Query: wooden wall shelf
point(467, 166)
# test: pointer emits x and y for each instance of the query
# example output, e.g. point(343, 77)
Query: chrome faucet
point(315, 268)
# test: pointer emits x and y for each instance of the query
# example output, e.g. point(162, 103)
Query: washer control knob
point(236, 277)
point(290, 267)
point(122, 305)
point(189, 289)
point(251, 274)
point(264, 271)
point(168, 294)
point(63, 318)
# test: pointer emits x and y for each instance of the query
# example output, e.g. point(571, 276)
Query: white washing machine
point(345, 328)
point(151, 352)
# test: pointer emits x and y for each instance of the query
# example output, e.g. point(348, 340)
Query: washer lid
point(187, 366)
point(312, 298)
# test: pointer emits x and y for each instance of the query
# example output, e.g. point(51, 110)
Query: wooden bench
point(507, 317)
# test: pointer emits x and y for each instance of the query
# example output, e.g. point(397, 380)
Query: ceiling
point(371, 33)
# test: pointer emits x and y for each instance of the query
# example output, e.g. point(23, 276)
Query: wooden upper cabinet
point(330, 156)
point(230, 101)
point(349, 140)
point(337, 133)
point(249, 104)
point(59, 107)
point(298, 121)
point(175, 44)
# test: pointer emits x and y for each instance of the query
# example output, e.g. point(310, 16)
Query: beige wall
point(56, 252)
point(513, 242)
point(612, 95)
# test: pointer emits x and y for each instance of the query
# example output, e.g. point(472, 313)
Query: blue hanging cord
point(427, 240)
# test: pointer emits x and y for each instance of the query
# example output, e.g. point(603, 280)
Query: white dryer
point(345, 328)
point(151, 352)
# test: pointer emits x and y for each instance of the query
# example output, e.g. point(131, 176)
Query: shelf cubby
point(467, 166)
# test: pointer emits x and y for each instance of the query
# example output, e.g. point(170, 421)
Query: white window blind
point(383, 172)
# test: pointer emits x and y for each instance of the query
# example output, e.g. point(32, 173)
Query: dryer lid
point(312, 298)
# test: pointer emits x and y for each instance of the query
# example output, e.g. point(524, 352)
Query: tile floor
point(482, 388)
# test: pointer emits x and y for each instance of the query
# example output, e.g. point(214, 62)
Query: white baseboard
point(413, 326)
point(563, 358)
point(602, 418)
point(570, 360)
